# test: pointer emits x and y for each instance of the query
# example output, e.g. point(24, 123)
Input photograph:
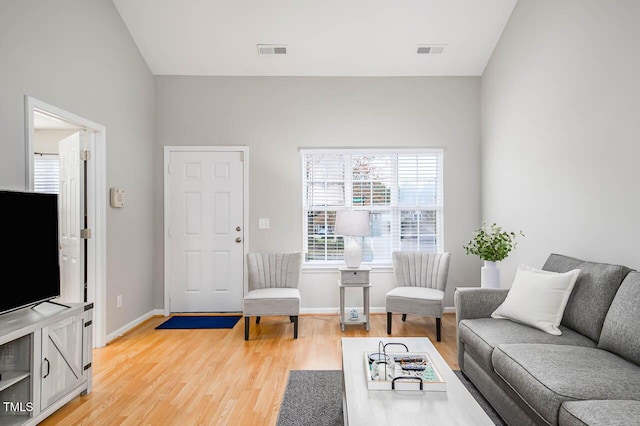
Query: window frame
point(394, 208)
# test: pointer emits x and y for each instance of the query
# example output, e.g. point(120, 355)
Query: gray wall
point(275, 116)
point(79, 56)
point(560, 131)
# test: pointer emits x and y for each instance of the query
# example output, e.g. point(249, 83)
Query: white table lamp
point(352, 224)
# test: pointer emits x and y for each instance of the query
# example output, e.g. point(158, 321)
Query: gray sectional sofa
point(589, 375)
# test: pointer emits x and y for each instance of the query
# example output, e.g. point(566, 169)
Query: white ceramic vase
point(490, 275)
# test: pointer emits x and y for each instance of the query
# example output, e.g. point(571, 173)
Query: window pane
point(419, 182)
point(322, 244)
point(372, 179)
point(418, 230)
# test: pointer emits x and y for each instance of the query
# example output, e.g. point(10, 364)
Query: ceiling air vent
point(430, 49)
point(272, 49)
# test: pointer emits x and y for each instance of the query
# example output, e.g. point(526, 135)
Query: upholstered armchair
point(421, 280)
point(273, 288)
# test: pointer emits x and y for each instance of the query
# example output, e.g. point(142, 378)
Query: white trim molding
point(96, 203)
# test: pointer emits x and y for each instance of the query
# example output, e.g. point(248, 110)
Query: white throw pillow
point(538, 298)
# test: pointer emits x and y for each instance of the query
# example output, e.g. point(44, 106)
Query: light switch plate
point(117, 197)
point(263, 223)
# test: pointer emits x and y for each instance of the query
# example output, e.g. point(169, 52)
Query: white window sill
point(320, 268)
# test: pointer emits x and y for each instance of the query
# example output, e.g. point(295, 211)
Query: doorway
point(206, 200)
point(66, 154)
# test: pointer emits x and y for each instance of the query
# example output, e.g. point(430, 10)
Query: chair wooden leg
point(246, 328)
point(388, 322)
point(257, 320)
point(295, 326)
point(404, 317)
point(438, 327)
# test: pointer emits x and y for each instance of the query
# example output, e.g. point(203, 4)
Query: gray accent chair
point(273, 288)
point(421, 280)
point(589, 375)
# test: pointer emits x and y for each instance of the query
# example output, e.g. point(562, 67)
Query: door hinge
point(85, 233)
point(85, 155)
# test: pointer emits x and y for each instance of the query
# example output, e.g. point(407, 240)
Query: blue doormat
point(190, 322)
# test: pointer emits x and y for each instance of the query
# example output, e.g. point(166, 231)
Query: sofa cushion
point(600, 413)
point(545, 376)
point(592, 293)
point(621, 329)
point(480, 336)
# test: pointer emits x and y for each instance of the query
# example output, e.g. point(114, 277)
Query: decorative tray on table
point(402, 370)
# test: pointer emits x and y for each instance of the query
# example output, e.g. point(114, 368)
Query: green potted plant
point(491, 244)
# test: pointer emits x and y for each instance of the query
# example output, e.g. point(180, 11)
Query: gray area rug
point(314, 397)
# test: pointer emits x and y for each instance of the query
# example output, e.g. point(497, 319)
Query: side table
point(358, 278)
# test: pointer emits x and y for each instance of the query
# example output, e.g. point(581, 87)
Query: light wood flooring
point(215, 377)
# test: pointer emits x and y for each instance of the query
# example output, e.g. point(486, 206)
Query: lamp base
point(352, 252)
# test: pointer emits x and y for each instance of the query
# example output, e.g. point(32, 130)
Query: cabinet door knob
point(238, 240)
point(238, 228)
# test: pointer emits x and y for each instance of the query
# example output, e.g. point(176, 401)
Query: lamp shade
point(354, 223)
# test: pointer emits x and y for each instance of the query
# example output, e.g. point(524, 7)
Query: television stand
point(46, 361)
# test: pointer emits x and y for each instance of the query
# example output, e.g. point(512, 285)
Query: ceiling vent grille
point(272, 49)
point(430, 49)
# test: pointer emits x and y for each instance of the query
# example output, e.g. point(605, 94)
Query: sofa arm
point(474, 302)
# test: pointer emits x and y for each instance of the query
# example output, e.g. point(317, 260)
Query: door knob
point(238, 240)
point(238, 228)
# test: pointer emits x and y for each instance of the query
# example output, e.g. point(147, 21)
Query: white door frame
point(167, 208)
point(96, 261)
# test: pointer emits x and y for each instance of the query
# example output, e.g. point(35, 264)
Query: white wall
point(275, 116)
point(561, 131)
point(45, 141)
point(79, 56)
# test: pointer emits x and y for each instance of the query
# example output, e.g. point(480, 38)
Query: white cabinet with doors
point(45, 360)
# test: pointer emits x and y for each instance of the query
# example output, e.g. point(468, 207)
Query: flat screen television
point(29, 248)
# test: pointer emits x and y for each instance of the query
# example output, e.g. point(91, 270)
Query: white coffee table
point(362, 406)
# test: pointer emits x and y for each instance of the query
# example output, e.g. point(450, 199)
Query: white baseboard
point(373, 310)
point(122, 330)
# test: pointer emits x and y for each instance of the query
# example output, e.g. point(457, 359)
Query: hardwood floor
point(215, 377)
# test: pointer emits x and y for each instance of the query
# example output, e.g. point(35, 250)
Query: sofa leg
point(404, 317)
point(257, 320)
point(291, 318)
point(246, 327)
point(295, 326)
point(388, 322)
point(438, 327)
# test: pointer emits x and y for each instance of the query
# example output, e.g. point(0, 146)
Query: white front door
point(71, 210)
point(205, 235)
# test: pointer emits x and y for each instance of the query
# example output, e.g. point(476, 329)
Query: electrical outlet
point(119, 301)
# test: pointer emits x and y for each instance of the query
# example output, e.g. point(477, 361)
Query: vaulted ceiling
point(322, 38)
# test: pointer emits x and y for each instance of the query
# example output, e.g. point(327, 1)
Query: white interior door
point(71, 210)
point(206, 235)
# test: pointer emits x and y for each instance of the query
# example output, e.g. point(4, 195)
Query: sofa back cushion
point(621, 329)
point(592, 294)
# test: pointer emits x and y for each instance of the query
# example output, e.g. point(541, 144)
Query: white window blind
point(46, 173)
point(402, 190)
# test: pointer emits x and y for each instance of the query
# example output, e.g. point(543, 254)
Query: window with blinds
point(46, 173)
point(401, 189)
